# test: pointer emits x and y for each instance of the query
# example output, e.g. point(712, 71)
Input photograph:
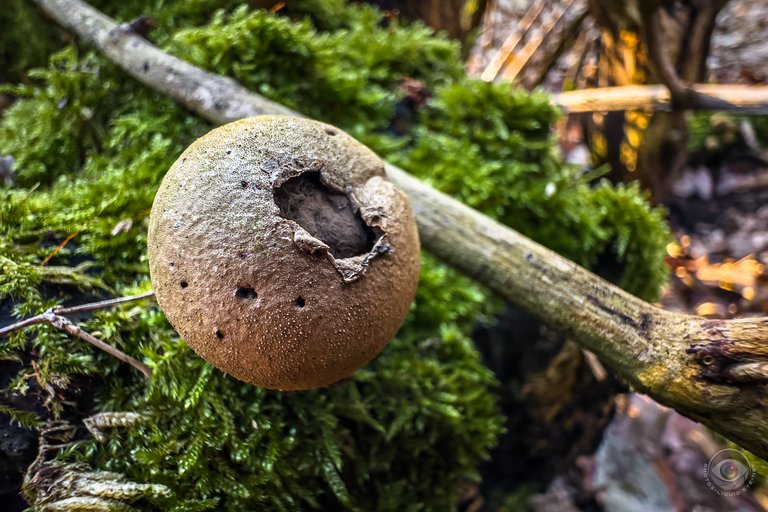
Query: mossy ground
point(91, 147)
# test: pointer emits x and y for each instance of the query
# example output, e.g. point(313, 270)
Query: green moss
point(377, 442)
point(404, 433)
point(51, 135)
point(347, 77)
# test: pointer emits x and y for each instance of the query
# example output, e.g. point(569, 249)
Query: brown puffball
point(280, 252)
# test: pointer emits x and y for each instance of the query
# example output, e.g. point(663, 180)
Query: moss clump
point(347, 77)
point(403, 433)
point(377, 442)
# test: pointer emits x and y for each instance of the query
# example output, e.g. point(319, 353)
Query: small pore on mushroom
point(299, 302)
point(183, 284)
point(329, 216)
point(246, 293)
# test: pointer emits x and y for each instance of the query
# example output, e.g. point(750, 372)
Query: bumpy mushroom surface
point(280, 252)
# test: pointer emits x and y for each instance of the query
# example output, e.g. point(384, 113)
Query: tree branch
point(712, 371)
point(55, 316)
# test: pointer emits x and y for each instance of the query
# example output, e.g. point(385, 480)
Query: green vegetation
point(719, 131)
point(91, 147)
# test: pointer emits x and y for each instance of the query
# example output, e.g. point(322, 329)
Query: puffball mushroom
point(280, 252)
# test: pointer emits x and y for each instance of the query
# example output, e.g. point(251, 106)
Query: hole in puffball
point(325, 214)
point(330, 132)
point(183, 284)
point(299, 303)
point(219, 334)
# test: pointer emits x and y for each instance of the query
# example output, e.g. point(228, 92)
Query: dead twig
point(55, 316)
point(102, 304)
point(565, 40)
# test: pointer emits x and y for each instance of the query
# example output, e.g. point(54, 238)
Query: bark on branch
point(713, 371)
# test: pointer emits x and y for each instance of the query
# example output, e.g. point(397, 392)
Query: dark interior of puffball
point(327, 215)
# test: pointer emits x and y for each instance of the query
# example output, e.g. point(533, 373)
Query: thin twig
point(101, 304)
point(514, 65)
point(27, 322)
point(60, 247)
point(66, 325)
point(54, 316)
